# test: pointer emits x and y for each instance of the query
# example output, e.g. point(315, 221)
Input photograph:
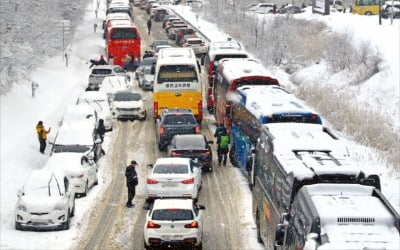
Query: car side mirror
point(150, 165)
point(201, 207)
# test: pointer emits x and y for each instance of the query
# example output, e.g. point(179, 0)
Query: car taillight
point(162, 130)
point(202, 44)
point(151, 224)
point(155, 107)
point(194, 224)
point(207, 152)
point(174, 153)
point(197, 129)
point(200, 108)
point(186, 45)
point(151, 181)
point(188, 181)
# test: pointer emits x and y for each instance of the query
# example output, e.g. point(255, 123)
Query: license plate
point(170, 184)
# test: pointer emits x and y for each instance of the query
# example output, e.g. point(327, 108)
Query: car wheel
point(146, 246)
point(368, 13)
point(18, 226)
point(73, 209)
point(144, 117)
point(66, 224)
point(86, 190)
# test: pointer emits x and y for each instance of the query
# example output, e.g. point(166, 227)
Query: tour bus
point(217, 51)
point(289, 156)
point(232, 74)
point(177, 82)
point(257, 105)
point(123, 39)
point(366, 7)
point(339, 216)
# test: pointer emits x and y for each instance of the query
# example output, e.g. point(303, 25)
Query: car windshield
point(179, 119)
point(148, 61)
point(45, 188)
point(171, 169)
point(101, 71)
point(172, 214)
point(185, 142)
point(71, 148)
point(127, 97)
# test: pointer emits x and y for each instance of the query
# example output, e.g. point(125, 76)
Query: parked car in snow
point(128, 105)
point(194, 147)
point(173, 177)
point(113, 84)
point(45, 202)
point(146, 78)
point(99, 101)
point(80, 170)
point(77, 137)
point(99, 72)
point(390, 9)
point(291, 9)
point(155, 43)
point(80, 113)
point(262, 8)
point(174, 223)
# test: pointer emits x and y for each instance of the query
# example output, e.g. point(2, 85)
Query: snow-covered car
point(80, 113)
point(175, 224)
point(174, 177)
point(45, 202)
point(197, 44)
point(77, 137)
point(99, 72)
point(262, 8)
point(128, 105)
point(113, 84)
point(146, 78)
point(81, 172)
point(99, 101)
point(291, 9)
point(391, 8)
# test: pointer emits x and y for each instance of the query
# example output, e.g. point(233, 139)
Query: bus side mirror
point(279, 234)
point(228, 110)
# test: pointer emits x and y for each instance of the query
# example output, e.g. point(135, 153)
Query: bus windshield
point(177, 73)
point(124, 34)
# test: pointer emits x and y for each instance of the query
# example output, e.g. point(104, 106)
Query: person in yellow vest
point(42, 135)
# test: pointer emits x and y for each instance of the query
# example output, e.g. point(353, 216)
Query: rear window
point(123, 34)
point(171, 169)
point(190, 142)
point(194, 42)
point(172, 214)
point(179, 119)
point(102, 71)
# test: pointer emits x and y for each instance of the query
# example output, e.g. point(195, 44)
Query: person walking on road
point(149, 25)
point(223, 147)
point(42, 135)
point(131, 182)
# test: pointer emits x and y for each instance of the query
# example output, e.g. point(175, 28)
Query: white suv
point(172, 178)
point(174, 223)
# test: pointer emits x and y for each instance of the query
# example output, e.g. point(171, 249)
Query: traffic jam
point(306, 191)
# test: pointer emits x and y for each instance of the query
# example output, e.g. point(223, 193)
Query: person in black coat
point(131, 182)
point(149, 25)
point(101, 130)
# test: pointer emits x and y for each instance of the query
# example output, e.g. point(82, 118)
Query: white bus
point(177, 82)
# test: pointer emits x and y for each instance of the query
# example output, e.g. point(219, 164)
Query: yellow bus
point(366, 7)
point(177, 82)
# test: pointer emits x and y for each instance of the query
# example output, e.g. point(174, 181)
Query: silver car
point(99, 72)
point(146, 78)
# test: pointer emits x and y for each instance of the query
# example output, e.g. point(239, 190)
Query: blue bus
point(254, 106)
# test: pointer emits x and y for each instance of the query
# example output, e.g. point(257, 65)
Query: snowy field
point(60, 86)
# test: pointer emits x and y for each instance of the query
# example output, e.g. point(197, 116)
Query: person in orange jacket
point(42, 135)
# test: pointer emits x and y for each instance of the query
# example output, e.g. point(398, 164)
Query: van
point(339, 216)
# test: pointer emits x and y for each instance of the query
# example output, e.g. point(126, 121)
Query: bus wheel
point(368, 13)
point(258, 227)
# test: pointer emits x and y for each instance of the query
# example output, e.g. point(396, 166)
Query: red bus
point(216, 51)
point(231, 74)
point(123, 39)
